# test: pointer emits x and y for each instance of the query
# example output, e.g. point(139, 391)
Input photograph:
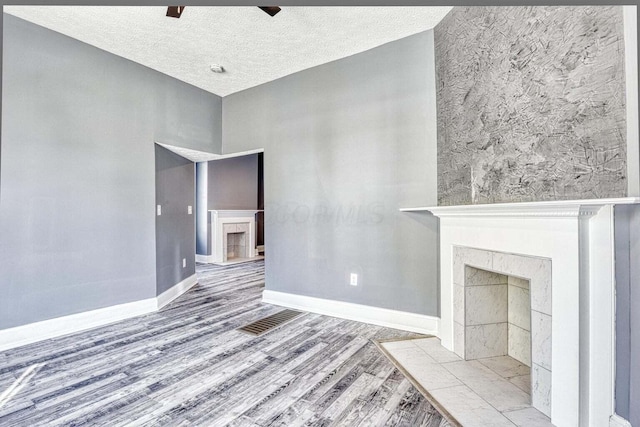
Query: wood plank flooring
point(186, 365)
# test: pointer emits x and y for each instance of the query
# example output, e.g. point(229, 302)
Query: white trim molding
point(403, 320)
point(205, 259)
point(53, 328)
point(617, 421)
point(631, 84)
point(198, 156)
point(175, 291)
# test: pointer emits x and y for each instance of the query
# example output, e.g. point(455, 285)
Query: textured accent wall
point(531, 104)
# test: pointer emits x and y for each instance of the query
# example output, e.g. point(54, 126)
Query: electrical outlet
point(159, 210)
point(189, 210)
point(184, 262)
point(354, 279)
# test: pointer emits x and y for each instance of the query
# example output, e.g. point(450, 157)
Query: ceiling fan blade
point(175, 11)
point(271, 10)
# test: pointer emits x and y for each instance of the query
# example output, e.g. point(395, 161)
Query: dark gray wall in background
point(347, 144)
point(77, 213)
point(634, 319)
point(175, 228)
point(531, 104)
point(233, 183)
point(627, 236)
point(260, 215)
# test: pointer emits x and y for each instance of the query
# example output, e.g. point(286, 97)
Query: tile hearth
point(491, 391)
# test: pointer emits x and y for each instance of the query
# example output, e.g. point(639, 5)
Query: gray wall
point(233, 183)
point(627, 235)
point(531, 104)
point(77, 207)
point(175, 227)
point(347, 144)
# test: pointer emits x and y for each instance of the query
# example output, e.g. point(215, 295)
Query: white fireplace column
point(577, 237)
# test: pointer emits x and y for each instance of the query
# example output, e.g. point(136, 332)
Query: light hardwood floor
point(187, 366)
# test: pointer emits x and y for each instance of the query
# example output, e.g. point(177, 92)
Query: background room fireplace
point(231, 236)
point(565, 249)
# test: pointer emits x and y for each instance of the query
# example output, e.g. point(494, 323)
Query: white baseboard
point(52, 328)
point(419, 323)
point(617, 421)
point(170, 294)
point(205, 259)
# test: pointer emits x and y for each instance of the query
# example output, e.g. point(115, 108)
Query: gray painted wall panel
point(347, 144)
point(77, 207)
point(175, 228)
point(531, 104)
point(233, 183)
point(623, 333)
point(627, 235)
point(634, 318)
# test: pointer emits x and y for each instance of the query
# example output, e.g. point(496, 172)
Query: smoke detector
point(216, 68)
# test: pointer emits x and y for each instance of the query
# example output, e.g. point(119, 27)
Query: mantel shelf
point(561, 208)
point(236, 210)
point(234, 213)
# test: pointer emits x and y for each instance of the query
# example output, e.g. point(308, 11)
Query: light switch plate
point(159, 210)
point(189, 210)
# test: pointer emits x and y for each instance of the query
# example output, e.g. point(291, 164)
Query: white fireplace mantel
point(234, 213)
point(218, 219)
point(562, 208)
point(578, 237)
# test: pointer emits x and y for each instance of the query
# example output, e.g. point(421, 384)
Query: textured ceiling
point(253, 47)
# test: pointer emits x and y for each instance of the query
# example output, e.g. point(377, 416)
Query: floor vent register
point(269, 323)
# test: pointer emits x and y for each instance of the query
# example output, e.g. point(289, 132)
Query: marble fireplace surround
point(577, 237)
point(486, 337)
